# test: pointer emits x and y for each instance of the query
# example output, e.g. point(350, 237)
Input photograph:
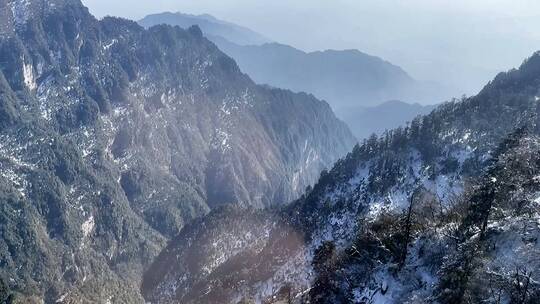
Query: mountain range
point(348, 80)
point(114, 137)
point(444, 210)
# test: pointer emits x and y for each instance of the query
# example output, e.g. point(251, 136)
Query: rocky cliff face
point(114, 137)
point(442, 210)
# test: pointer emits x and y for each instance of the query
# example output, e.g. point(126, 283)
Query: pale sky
point(461, 43)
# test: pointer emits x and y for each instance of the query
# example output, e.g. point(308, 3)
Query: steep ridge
point(382, 225)
point(113, 137)
point(480, 247)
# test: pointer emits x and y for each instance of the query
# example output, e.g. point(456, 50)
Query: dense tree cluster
point(465, 256)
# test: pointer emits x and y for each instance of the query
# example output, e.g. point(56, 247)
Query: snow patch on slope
point(21, 11)
point(88, 226)
point(29, 77)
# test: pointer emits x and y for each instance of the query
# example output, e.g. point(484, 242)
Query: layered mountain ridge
point(344, 78)
point(349, 80)
point(365, 121)
point(425, 213)
point(211, 26)
point(114, 137)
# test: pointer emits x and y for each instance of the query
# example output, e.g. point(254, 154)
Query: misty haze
point(246, 151)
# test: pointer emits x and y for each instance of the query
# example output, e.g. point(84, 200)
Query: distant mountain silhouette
point(349, 80)
point(210, 25)
point(365, 121)
point(343, 78)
